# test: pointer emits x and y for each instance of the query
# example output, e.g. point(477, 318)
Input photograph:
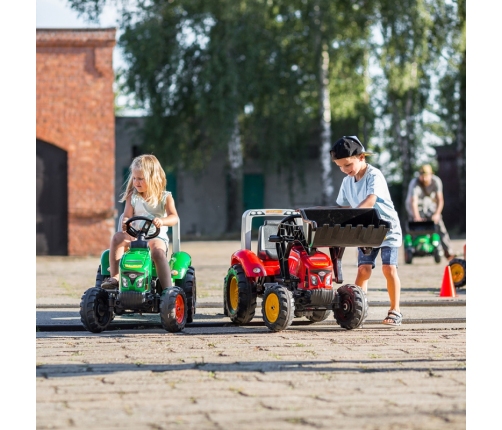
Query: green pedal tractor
point(422, 240)
point(140, 290)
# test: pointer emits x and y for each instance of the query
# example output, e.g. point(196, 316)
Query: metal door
point(52, 200)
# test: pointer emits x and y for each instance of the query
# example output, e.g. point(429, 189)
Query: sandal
point(395, 317)
point(110, 284)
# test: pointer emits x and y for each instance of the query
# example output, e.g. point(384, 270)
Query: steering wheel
point(144, 230)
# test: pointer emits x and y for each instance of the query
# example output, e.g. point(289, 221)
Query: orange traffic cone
point(448, 287)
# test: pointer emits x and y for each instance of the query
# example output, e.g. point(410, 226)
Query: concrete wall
point(201, 199)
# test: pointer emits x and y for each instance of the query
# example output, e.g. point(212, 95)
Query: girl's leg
point(120, 241)
point(158, 248)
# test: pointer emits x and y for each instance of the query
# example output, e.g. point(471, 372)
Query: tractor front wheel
point(278, 308)
point(239, 296)
point(437, 255)
point(95, 311)
point(351, 308)
point(173, 309)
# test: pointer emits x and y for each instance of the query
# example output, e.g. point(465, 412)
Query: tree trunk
point(325, 107)
point(234, 181)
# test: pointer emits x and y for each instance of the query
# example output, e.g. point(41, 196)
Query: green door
point(171, 185)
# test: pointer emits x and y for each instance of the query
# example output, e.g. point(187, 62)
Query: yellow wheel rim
point(457, 273)
point(272, 308)
point(233, 293)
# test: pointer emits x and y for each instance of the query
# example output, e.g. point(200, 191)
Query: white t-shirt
point(353, 192)
point(142, 208)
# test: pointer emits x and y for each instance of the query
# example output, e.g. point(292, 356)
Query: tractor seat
point(266, 249)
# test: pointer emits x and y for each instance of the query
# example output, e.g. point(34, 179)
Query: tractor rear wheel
point(318, 316)
point(457, 268)
point(99, 277)
point(278, 308)
point(350, 310)
point(95, 312)
point(173, 309)
point(189, 286)
point(408, 255)
point(239, 296)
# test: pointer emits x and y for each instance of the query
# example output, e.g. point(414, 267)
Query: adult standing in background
point(425, 202)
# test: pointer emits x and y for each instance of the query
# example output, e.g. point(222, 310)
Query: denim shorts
point(389, 256)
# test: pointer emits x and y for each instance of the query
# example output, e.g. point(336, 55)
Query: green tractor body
point(422, 240)
point(140, 290)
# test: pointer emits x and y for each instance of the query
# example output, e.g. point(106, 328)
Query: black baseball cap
point(347, 146)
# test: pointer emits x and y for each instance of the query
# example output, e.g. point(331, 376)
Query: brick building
point(75, 141)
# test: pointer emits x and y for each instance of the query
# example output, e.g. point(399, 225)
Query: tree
point(413, 38)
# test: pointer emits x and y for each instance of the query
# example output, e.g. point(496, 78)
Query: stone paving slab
point(229, 377)
point(247, 377)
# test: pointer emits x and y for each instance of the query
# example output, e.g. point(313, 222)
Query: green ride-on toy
point(422, 240)
point(290, 273)
point(140, 290)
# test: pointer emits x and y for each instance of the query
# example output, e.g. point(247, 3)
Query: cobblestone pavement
point(228, 377)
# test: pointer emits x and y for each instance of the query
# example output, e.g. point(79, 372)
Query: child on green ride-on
point(145, 195)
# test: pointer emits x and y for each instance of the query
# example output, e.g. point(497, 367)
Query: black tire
point(437, 255)
point(352, 308)
point(318, 316)
point(457, 268)
point(278, 308)
point(95, 312)
point(408, 256)
point(99, 277)
point(239, 296)
point(189, 286)
point(173, 309)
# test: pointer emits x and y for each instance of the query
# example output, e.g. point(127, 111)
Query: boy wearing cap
point(425, 202)
point(365, 187)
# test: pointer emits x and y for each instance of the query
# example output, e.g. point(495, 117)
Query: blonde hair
point(155, 179)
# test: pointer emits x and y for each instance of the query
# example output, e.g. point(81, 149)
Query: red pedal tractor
point(288, 272)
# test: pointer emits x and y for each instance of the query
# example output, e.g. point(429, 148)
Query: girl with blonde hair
point(145, 195)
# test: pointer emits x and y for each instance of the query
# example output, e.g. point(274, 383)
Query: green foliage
point(197, 65)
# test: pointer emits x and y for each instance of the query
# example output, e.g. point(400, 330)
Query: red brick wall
point(75, 111)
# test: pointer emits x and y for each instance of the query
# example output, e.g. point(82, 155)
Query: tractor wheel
point(99, 277)
point(318, 316)
point(457, 267)
point(173, 309)
point(239, 296)
point(408, 255)
point(351, 309)
point(95, 312)
point(189, 286)
point(278, 308)
point(437, 255)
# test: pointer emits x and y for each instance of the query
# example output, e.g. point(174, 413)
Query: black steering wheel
point(144, 230)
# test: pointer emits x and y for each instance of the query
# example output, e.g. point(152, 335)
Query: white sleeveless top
point(142, 208)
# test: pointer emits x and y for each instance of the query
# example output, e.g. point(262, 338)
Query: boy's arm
point(368, 202)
